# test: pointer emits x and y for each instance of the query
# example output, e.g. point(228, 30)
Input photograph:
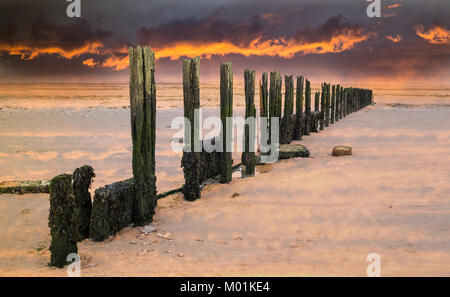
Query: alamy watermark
point(74, 268)
point(235, 127)
point(74, 9)
point(374, 268)
point(374, 9)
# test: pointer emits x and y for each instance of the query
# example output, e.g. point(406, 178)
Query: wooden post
point(299, 109)
point(274, 99)
point(344, 111)
point(337, 106)
point(341, 102)
point(322, 107)
point(191, 159)
point(62, 220)
point(263, 109)
point(286, 135)
point(316, 117)
point(307, 107)
point(327, 107)
point(333, 103)
point(82, 179)
point(143, 124)
point(226, 111)
point(248, 156)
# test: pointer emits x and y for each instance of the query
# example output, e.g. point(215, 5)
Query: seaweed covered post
point(191, 159)
point(82, 180)
point(263, 110)
point(274, 100)
point(62, 220)
point(226, 114)
point(322, 107)
point(315, 127)
point(341, 102)
point(143, 124)
point(287, 128)
point(248, 156)
point(327, 107)
point(338, 97)
point(307, 107)
point(299, 109)
point(333, 104)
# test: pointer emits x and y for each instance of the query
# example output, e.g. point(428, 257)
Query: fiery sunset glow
point(435, 35)
point(287, 35)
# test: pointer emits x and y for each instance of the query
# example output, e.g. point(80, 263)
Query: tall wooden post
point(263, 110)
point(322, 107)
point(307, 107)
point(143, 132)
point(62, 220)
point(248, 156)
point(274, 100)
point(341, 102)
point(333, 103)
point(287, 132)
point(327, 107)
point(338, 99)
point(299, 109)
point(191, 158)
point(226, 111)
point(81, 183)
point(316, 117)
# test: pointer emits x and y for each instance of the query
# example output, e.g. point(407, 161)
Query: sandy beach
point(318, 216)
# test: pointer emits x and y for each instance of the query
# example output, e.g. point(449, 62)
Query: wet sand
point(318, 216)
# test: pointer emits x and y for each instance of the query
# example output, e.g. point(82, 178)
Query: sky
point(323, 40)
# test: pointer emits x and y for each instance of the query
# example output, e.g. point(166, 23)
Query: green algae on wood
point(248, 155)
point(287, 132)
point(191, 97)
point(307, 128)
point(299, 109)
point(82, 180)
point(226, 115)
point(143, 125)
point(62, 220)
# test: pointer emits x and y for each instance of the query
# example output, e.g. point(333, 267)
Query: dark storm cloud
point(209, 29)
point(389, 47)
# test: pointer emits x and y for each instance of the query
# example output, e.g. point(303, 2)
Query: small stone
point(235, 195)
point(160, 235)
point(91, 265)
point(25, 211)
point(148, 229)
point(168, 251)
point(341, 151)
point(133, 242)
point(181, 255)
point(143, 253)
point(288, 151)
point(167, 236)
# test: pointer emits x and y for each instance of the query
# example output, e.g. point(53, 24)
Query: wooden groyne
point(73, 217)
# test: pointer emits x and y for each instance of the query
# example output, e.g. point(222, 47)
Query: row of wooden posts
point(73, 217)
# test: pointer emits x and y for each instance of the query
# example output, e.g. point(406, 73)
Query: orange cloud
point(90, 63)
point(395, 39)
point(395, 5)
point(27, 52)
point(435, 35)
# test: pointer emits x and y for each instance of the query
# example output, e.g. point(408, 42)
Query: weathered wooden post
point(307, 129)
point(322, 107)
point(299, 109)
point(327, 107)
point(143, 132)
point(338, 99)
point(248, 156)
point(274, 100)
point(191, 158)
point(82, 180)
point(62, 220)
point(333, 103)
point(287, 131)
point(226, 111)
point(263, 110)
point(316, 116)
point(344, 109)
point(341, 104)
